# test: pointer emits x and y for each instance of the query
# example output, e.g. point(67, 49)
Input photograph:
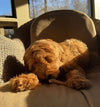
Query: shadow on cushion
point(12, 67)
point(5, 87)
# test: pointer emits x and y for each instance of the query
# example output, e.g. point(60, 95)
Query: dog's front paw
point(24, 82)
point(78, 83)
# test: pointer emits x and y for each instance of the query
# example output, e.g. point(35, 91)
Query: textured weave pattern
point(10, 47)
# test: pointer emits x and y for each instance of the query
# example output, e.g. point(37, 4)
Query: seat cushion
point(93, 94)
point(60, 25)
point(11, 57)
point(54, 95)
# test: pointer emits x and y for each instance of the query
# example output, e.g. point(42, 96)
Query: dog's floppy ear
point(26, 67)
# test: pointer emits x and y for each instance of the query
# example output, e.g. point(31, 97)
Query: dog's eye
point(48, 59)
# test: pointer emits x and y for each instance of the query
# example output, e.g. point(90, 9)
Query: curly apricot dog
point(49, 60)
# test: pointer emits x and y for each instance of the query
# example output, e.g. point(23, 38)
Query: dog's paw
point(24, 82)
point(78, 83)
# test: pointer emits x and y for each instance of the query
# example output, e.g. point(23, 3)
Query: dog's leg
point(24, 82)
point(74, 79)
point(57, 82)
point(77, 79)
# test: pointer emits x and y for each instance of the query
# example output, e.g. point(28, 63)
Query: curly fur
point(24, 82)
point(52, 61)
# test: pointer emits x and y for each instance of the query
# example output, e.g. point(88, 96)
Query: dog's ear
point(26, 52)
point(27, 70)
point(26, 67)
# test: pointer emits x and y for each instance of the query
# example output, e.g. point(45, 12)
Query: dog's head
point(43, 59)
